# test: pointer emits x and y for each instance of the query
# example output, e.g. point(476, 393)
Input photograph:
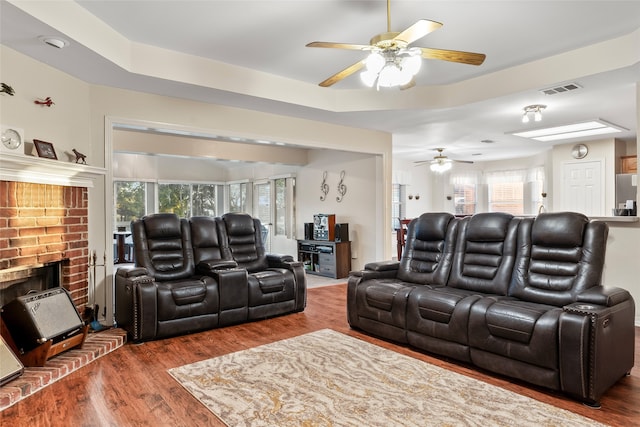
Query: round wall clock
point(11, 141)
point(579, 151)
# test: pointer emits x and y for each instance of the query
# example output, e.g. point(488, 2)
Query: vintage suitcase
point(37, 317)
point(10, 365)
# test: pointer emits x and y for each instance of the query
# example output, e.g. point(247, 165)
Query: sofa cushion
point(383, 301)
point(162, 244)
point(513, 321)
point(428, 251)
point(270, 281)
point(381, 295)
point(560, 255)
point(485, 253)
point(439, 304)
point(519, 330)
point(187, 298)
point(271, 286)
point(244, 241)
point(205, 240)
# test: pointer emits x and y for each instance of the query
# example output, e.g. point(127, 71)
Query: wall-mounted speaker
point(37, 317)
point(342, 232)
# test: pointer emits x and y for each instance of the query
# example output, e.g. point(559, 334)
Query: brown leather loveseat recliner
point(202, 273)
point(521, 297)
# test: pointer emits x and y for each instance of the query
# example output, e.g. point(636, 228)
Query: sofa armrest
point(383, 266)
point(297, 269)
point(131, 272)
point(377, 270)
point(279, 258)
point(211, 266)
point(136, 303)
point(600, 295)
point(597, 337)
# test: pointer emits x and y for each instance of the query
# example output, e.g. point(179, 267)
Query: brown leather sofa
point(520, 297)
point(202, 273)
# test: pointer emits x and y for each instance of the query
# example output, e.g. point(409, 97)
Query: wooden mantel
point(25, 168)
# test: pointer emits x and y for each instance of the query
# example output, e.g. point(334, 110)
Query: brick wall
point(42, 223)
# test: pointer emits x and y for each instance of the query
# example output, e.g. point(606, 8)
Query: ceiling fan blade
point(463, 161)
point(342, 74)
point(453, 56)
point(418, 30)
point(340, 45)
point(421, 162)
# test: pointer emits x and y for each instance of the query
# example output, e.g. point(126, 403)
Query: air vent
point(560, 89)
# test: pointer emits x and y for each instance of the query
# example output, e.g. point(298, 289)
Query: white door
point(582, 188)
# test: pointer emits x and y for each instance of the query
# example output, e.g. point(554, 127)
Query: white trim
point(47, 171)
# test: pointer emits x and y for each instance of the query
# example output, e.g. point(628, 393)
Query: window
point(175, 198)
point(506, 191)
point(203, 199)
point(464, 196)
point(130, 202)
point(281, 206)
point(506, 197)
point(465, 192)
point(238, 197)
point(398, 212)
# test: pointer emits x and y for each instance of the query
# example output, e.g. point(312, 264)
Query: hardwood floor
point(131, 387)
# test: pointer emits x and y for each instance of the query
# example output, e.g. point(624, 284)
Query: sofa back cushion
point(162, 244)
point(242, 239)
point(205, 239)
point(485, 253)
point(560, 255)
point(428, 251)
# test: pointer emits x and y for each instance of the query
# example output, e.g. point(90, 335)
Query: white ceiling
point(530, 45)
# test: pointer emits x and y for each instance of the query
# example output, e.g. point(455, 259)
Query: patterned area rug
point(326, 378)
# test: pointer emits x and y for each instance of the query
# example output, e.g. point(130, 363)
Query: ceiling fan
point(440, 162)
point(392, 62)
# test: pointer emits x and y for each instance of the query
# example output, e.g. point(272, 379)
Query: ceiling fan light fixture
point(440, 166)
point(375, 62)
point(412, 62)
point(368, 78)
point(391, 68)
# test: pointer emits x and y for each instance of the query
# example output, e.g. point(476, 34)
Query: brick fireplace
point(45, 223)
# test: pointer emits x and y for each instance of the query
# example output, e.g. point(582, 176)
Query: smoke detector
point(54, 41)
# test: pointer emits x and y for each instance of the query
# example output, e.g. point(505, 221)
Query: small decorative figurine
point(7, 89)
point(47, 101)
point(80, 158)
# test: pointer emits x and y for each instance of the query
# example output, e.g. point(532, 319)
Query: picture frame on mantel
point(45, 149)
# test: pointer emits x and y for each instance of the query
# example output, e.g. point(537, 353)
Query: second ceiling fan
point(392, 62)
point(440, 162)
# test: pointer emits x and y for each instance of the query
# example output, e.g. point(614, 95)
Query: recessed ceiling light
point(575, 130)
point(54, 41)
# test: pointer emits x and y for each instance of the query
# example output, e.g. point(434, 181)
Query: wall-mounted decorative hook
point(324, 187)
point(7, 89)
point(46, 102)
point(342, 189)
